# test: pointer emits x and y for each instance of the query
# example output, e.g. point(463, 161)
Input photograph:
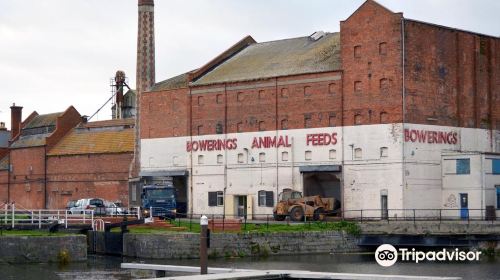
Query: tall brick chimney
point(145, 72)
point(16, 117)
point(145, 76)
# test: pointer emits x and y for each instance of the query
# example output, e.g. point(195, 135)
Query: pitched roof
point(85, 141)
point(278, 58)
point(33, 140)
point(176, 82)
point(108, 123)
point(43, 120)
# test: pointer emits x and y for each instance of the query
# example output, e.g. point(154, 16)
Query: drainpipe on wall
point(191, 152)
point(45, 179)
point(403, 92)
point(482, 183)
point(225, 150)
point(277, 152)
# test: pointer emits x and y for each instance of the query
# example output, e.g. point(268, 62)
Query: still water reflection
point(105, 267)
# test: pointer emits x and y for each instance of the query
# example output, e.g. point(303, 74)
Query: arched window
point(200, 159)
point(358, 153)
point(384, 152)
point(358, 119)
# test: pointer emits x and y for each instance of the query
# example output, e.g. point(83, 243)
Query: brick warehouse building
point(54, 158)
point(389, 113)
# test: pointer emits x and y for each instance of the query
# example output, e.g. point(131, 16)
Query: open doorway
point(240, 205)
point(324, 184)
point(180, 185)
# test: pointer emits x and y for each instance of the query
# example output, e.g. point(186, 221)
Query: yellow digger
point(291, 203)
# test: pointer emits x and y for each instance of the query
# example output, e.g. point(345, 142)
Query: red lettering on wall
point(321, 139)
point(211, 145)
point(430, 137)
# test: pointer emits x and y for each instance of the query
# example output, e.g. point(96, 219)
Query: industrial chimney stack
point(145, 47)
point(16, 117)
point(145, 73)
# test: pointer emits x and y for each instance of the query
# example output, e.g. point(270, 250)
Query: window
point(284, 124)
point(175, 131)
point(498, 196)
point(240, 96)
point(308, 155)
point(357, 51)
point(463, 166)
point(219, 99)
point(332, 88)
point(200, 100)
point(307, 91)
point(331, 120)
point(199, 129)
point(219, 129)
point(284, 93)
point(239, 127)
point(220, 159)
point(262, 94)
point(262, 157)
point(383, 117)
point(382, 48)
point(307, 121)
point(384, 85)
point(358, 86)
point(215, 198)
point(262, 126)
point(357, 119)
point(200, 159)
point(358, 153)
point(266, 198)
point(241, 158)
point(384, 152)
point(332, 154)
point(284, 156)
point(495, 166)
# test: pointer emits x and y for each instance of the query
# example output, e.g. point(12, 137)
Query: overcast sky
point(57, 53)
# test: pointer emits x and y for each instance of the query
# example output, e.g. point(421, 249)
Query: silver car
point(83, 204)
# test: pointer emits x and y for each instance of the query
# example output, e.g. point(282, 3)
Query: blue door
point(464, 206)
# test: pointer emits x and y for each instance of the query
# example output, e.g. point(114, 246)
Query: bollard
point(203, 245)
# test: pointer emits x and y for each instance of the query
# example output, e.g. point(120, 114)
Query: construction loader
point(291, 203)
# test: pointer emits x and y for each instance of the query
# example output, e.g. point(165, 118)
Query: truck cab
point(161, 199)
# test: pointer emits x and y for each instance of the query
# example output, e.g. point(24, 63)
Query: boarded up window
point(384, 117)
point(358, 119)
point(384, 152)
point(332, 154)
point(382, 48)
point(241, 158)
point(200, 100)
point(199, 129)
point(358, 153)
point(331, 120)
point(262, 157)
point(220, 159)
point(384, 85)
point(308, 155)
point(284, 124)
point(284, 156)
point(262, 94)
point(284, 93)
point(239, 127)
point(332, 88)
point(240, 96)
point(358, 86)
point(357, 51)
point(219, 129)
point(307, 121)
point(307, 91)
point(262, 126)
point(219, 99)
point(201, 159)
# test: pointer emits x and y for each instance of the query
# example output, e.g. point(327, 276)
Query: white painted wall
point(413, 182)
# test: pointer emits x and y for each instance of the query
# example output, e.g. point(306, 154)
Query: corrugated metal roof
point(4, 163)
point(84, 141)
point(176, 82)
point(278, 58)
point(43, 120)
point(25, 141)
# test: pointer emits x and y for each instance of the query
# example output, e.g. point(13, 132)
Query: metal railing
point(10, 216)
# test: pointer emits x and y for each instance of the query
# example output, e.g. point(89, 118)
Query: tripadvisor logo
point(387, 255)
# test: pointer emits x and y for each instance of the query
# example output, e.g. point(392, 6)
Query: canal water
point(106, 267)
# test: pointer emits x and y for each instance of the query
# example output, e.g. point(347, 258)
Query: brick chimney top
point(146, 2)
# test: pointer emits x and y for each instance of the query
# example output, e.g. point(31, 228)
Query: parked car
point(71, 204)
point(95, 204)
point(113, 208)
